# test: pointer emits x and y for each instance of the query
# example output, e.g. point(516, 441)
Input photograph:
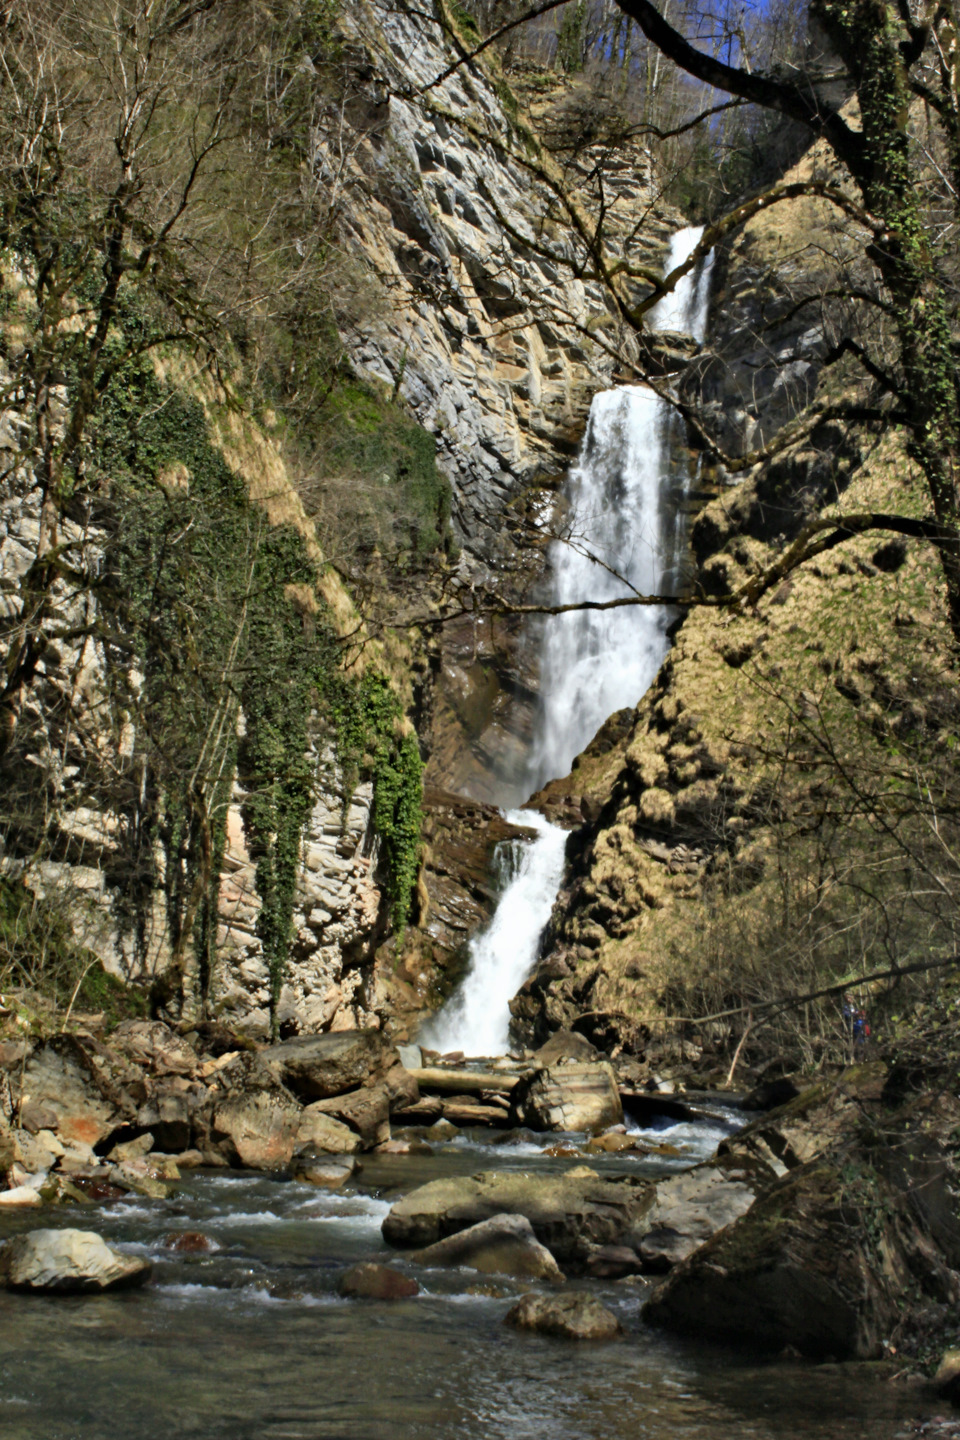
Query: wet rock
point(370, 1281)
point(319, 1132)
point(569, 1213)
point(576, 1316)
point(613, 1262)
point(328, 1174)
point(610, 1144)
point(568, 1097)
point(503, 1245)
point(68, 1262)
point(190, 1242)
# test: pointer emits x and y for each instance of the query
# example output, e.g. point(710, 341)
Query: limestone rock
point(690, 1208)
point(68, 1262)
point(503, 1245)
point(370, 1281)
point(569, 1213)
point(366, 1111)
point(576, 1316)
point(58, 1077)
point(316, 1067)
point(261, 1129)
point(568, 1097)
point(320, 1132)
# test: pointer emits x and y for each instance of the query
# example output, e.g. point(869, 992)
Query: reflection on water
point(251, 1341)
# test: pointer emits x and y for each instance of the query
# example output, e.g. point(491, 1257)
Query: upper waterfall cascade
point(622, 536)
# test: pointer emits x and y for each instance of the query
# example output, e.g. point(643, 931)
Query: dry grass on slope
point(785, 813)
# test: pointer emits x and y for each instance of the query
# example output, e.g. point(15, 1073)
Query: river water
point(251, 1342)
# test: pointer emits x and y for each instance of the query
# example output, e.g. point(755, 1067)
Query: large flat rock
point(316, 1067)
point(569, 1213)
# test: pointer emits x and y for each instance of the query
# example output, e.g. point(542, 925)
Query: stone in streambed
point(370, 1281)
point(690, 1208)
point(328, 1174)
point(503, 1245)
point(570, 1213)
point(190, 1242)
point(568, 1097)
point(68, 1262)
point(575, 1316)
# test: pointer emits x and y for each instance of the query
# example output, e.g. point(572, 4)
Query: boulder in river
point(569, 1213)
point(260, 1129)
point(68, 1262)
point(502, 1245)
point(569, 1096)
point(318, 1132)
point(316, 1067)
point(574, 1316)
point(691, 1207)
point(370, 1281)
point(790, 1272)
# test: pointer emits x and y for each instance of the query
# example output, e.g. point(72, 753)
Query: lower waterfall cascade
point(622, 536)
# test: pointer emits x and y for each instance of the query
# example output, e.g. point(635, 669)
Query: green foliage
point(38, 952)
point(371, 737)
point(571, 38)
point(385, 484)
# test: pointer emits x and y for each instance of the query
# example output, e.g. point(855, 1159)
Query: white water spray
point(477, 1019)
point(593, 663)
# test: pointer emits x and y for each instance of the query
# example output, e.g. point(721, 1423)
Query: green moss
point(371, 738)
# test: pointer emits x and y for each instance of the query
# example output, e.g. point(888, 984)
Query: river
point(251, 1342)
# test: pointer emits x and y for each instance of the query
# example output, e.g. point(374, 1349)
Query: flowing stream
point(622, 536)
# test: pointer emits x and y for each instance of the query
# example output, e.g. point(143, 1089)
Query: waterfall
point(594, 663)
point(621, 535)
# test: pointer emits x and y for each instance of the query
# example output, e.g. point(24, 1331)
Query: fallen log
point(461, 1082)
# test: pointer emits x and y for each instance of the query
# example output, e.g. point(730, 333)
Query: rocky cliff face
point(450, 196)
point(677, 896)
point(444, 197)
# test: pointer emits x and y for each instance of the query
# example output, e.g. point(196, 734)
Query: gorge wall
point(441, 191)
